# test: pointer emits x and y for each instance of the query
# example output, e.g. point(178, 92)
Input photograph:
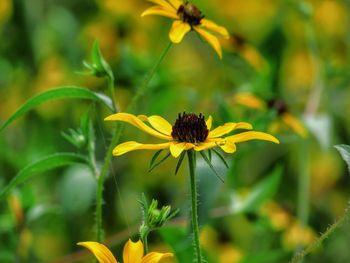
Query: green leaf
point(100, 64)
point(177, 237)
point(153, 159)
point(218, 154)
point(42, 165)
point(344, 151)
point(58, 93)
point(261, 192)
point(205, 158)
point(178, 165)
point(158, 163)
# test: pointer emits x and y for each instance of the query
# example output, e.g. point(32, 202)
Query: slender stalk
point(115, 139)
point(145, 243)
point(194, 212)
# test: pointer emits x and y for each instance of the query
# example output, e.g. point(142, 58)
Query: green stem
point(145, 242)
point(115, 140)
point(194, 213)
point(110, 80)
point(141, 91)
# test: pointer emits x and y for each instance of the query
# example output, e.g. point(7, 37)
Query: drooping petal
point(211, 39)
point(133, 120)
point(168, 6)
point(160, 124)
point(205, 145)
point(133, 252)
point(178, 31)
point(214, 27)
point(161, 11)
point(176, 148)
point(294, 123)
point(209, 122)
point(228, 146)
point(101, 252)
point(252, 135)
point(228, 127)
point(132, 146)
point(155, 257)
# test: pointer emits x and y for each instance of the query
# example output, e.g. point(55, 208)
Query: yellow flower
point(286, 118)
point(132, 253)
point(190, 131)
point(187, 17)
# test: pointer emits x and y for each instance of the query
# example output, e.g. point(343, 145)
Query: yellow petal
point(295, 124)
point(160, 124)
point(252, 135)
point(228, 127)
point(164, 4)
point(228, 146)
point(178, 31)
point(249, 101)
point(155, 257)
point(214, 27)
point(158, 10)
point(176, 148)
point(211, 39)
point(133, 120)
point(205, 145)
point(175, 3)
point(209, 122)
point(101, 252)
point(132, 146)
point(133, 252)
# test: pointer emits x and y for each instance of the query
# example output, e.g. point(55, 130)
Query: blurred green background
point(276, 198)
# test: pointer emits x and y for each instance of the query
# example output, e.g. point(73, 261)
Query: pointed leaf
point(209, 155)
point(42, 165)
point(205, 158)
point(64, 92)
point(153, 159)
point(344, 151)
point(218, 154)
point(178, 165)
point(158, 163)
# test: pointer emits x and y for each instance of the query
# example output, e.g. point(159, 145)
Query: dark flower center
point(190, 14)
point(278, 105)
point(189, 127)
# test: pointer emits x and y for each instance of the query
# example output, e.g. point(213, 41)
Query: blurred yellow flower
point(298, 235)
point(279, 218)
point(187, 17)
point(190, 131)
point(285, 117)
point(132, 253)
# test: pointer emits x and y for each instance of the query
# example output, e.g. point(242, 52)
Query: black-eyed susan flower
point(285, 118)
point(187, 17)
point(132, 253)
point(190, 131)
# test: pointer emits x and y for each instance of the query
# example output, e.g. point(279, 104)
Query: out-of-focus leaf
point(58, 93)
point(77, 175)
point(7, 256)
point(40, 210)
point(42, 165)
point(344, 151)
point(262, 257)
point(179, 240)
point(263, 191)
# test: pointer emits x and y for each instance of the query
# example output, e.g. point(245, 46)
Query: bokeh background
point(289, 53)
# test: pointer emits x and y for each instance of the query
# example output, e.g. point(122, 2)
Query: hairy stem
point(115, 140)
point(194, 212)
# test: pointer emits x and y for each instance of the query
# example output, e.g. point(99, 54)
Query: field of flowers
point(145, 131)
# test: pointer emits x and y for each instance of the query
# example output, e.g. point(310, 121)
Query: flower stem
point(115, 139)
point(145, 242)
point(194, 212)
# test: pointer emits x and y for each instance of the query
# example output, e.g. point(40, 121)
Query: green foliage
point(67, 92)
point(43, 165)
point(344, 151)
